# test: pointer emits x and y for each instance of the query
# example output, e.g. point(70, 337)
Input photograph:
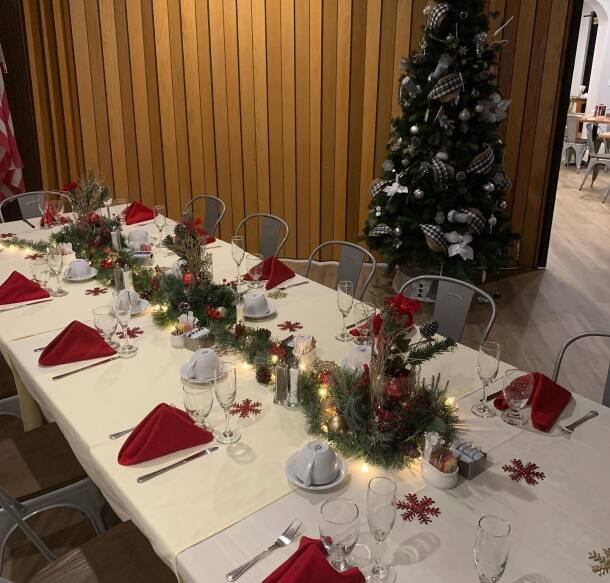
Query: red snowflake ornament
point(246, 408)
point(530, 472)
point(7, 235)
point(414, 508)
point(131, 333)
point(290, 326)
point(96, 291)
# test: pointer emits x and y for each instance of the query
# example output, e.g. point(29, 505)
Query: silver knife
point(67, 374)
point(293, 285)
point(196, 455)
point(25, 305)
point(28, 223)
point(121, 433)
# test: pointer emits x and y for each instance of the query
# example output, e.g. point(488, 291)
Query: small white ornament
point(418, 193)
point(414, 130)
point(464, 115)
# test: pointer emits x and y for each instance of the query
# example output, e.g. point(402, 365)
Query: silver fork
point(293, 530)
point(570, 428)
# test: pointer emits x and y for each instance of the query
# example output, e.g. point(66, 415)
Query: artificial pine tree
point(439, 204)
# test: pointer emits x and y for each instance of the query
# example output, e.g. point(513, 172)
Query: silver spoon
point(570, 428)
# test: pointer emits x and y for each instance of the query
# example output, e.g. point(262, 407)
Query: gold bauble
point(337, 424)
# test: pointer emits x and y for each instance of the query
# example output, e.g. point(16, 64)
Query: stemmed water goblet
point(491, 548)
point(381, 515)
point(40, 271)
point(238, 253)
point(225, 387)
point(518, 387)
point(488, 364)
point(365, 314)
point(122, 308)
point(345, 301)
point(198, 399)
point(254, 267)
point(339, 530)
point(55, 259)
point(160, 220)
point(105, 322)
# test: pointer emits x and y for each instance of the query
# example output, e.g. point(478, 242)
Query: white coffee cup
point(78, 268)
point(137, 237)
point(316, 464)
point(255, 304)
point(202, 365)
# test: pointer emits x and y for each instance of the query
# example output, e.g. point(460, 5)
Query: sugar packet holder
point(198, 338)
point(471, 460)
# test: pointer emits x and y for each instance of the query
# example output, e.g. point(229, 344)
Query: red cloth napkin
point(164, 430)
point(47, 216)
point(377, 322)
point(18, 288)
point(274, 271)
point(548, 400)
point(136, 212)
point(75, 342)
point(309, 564)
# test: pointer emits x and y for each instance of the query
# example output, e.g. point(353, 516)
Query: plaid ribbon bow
point(447, 87)
point(434, 237)
point(437, 14)
point(482, 162)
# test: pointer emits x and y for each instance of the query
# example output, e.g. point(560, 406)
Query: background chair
point(350, 264)
point(269, 232)
point(568, 342)
point(596, 160)
point(453, 301)
point(215, 209)
point(27, 203)
point(572, 142)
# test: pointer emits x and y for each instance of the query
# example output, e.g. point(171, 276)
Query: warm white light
point(245, 365)
point(302, 366)
point(323, 392)
point(364, 468)
point(274, 358)
point(450, 401)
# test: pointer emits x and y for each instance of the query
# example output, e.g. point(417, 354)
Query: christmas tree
point(439, 204)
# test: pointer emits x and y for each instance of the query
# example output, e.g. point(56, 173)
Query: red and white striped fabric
point(11, 173)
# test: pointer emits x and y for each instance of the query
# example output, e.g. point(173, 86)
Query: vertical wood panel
point(315, 118)
point(401, 47)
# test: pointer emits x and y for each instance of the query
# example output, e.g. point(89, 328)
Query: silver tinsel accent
point(440, 217)
point(388, 165)
point(404, 63)
point(418, 193)
point(460, 175)
point(377, 211)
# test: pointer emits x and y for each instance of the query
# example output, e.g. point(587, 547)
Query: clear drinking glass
point(160, 220)
point(105, 322)
point(491, 548)
point(381, 514)
point(225, 387)
point(339, 530)
point(364, 314)
point(238, 253)
point(40, 271)
point(254, 266)
point(120, 206)
point(55, 259)
point(345, 301)
point(43, 200)
point(487, 367)
point(198, 400)
point(122, 309)
point(518, 387)
point(108, 202)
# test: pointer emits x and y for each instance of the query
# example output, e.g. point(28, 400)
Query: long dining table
point(207, 517)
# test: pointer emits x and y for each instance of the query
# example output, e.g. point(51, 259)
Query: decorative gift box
point(198, 338)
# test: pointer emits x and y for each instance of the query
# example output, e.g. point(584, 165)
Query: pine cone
point(263, 374)
point(429, 329)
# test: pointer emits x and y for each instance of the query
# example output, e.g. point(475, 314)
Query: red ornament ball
point(93, 218)
point(187, 278)
point(106, 263)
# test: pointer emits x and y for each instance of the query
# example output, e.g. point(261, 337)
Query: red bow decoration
point(195, 226)
point(70, 186)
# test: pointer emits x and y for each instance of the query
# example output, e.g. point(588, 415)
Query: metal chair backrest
point(215, 209)
point(567, 343)
point(572, 128)
point(350, 264)
point(269, 230)
point(28, 203)
point(453, 301)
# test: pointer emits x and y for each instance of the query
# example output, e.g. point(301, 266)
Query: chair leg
point(10, 406)
point(589, 170)
point(579, 156)
point(606, 194)
point(595, 173)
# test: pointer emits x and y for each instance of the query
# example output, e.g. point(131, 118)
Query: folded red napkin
point(548, 400)
point(136, 212)
point(164, 430)
point(309, 564)
point(18, 288)
point(377, 322)
point(274, 271)
point(75, 342)
point(47, 216)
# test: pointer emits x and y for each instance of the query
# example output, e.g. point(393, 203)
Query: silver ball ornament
point(489, 187)
point(464, 115)
point(463, 15)
point(442, 156)
point(493, 221)
point(479, 108)
point(475, 93)
point(449, 39)
point(414, 129)
point(440, 217)
point(501, 204)
point(418, 193)
point(378, 211)
point(398, 231)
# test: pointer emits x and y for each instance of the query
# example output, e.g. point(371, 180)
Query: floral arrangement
point(86, 195)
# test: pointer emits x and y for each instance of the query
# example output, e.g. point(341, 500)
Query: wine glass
point(254, 266)
point(40, 271)
point(107, 200)
point(55, 259)
point(339, 530)
point(225, 387)
point(365, 314)
point(122, 309)
point(160, 220)
point(345, 300)
point(518, 387)
point(198, 399)
point(381, 514)
point(43, 200)
point(487, 367)
point(238, 252)
point(491, 548)
point(105, 322)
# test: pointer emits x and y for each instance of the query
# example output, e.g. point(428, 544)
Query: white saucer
point(143, 305)
point(292, 477)
point(271, 310)
point(196, 381)
point(91, 275)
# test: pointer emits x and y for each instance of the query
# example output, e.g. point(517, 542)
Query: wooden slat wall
point(279, 106)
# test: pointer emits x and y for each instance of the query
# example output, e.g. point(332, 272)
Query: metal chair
point(215, 209)
point(453, 301)
point(350, 263)
point(567, 343)
point(270, 226)
point(10, 406)
point(572, 142)
point(28, 203)
point(595, 158)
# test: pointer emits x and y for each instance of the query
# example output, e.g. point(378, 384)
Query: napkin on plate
point(163, 431)
point(548, 400)
point(47, 216)
point(18, 288)
point(75, 342)
point(136, 212)
point(274, 271)
point(309, 564)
